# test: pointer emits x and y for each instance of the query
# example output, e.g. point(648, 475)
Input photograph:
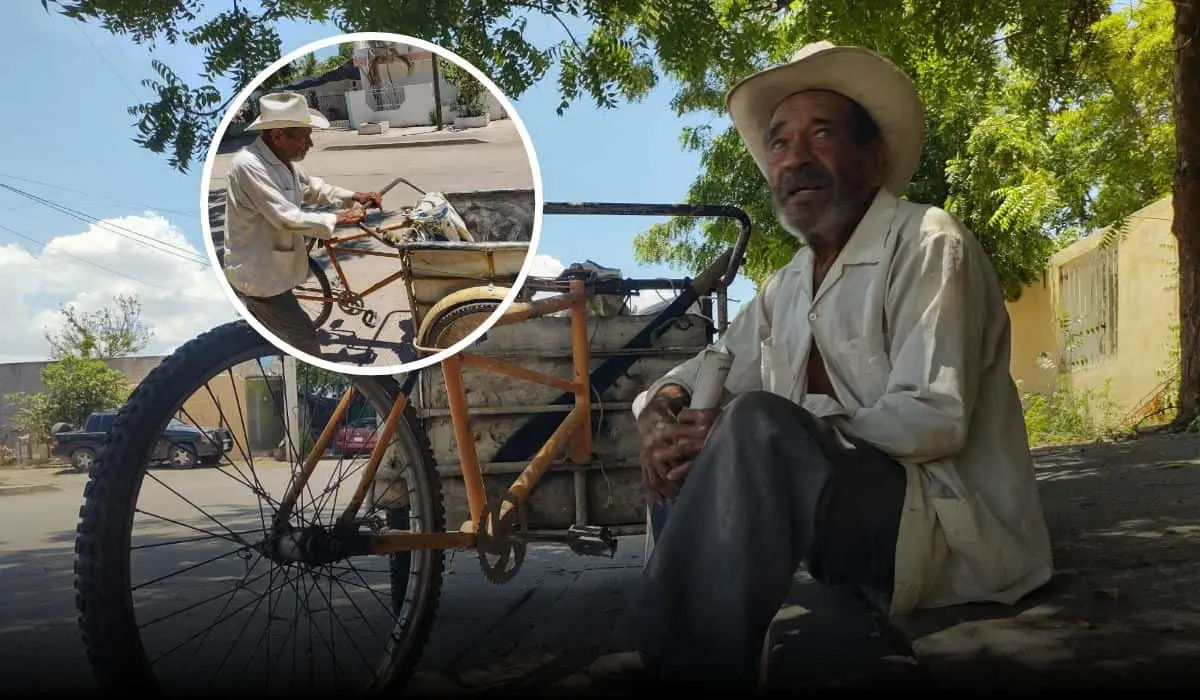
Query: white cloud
point(180, 299)
point(546, 266)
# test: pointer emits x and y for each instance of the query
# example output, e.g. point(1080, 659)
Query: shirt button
point(812, 316)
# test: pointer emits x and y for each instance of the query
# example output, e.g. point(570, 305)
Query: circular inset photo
point(374, 203)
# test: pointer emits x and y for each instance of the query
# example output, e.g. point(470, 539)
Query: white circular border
point(356, 370)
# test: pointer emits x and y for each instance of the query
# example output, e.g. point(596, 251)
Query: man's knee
point(755, 409)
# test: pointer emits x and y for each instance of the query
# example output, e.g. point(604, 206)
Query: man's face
point(292, 144)
point(823, 164)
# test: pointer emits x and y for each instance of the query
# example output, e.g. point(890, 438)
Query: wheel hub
point(312, 546)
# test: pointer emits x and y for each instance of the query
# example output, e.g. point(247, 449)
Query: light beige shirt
point(915, 335)
point(264, 224)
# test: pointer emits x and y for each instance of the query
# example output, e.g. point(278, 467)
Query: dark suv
point(181, 446)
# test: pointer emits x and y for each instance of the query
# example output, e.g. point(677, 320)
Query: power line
point(138, 237)
point(111, 67)
point(43, 246)
point(87, 218)
point(97, 195)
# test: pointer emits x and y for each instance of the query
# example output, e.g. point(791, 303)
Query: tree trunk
point(1186, 203)
point(437, 94)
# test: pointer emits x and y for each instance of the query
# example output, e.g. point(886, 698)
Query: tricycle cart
point(524, 438)
point(488, 216)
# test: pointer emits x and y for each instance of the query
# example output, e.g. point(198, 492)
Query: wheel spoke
point(197, 615)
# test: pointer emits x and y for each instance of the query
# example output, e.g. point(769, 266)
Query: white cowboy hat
point(283, 110)
point(857, 73)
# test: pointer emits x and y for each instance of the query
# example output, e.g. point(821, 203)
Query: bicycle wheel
point(315, 294)
point(226, 551)
point(458, 322)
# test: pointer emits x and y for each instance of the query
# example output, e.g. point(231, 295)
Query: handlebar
point(690, 210)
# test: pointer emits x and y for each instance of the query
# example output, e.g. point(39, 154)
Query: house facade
point(247, 389)
point(400, 94)
point(26, 378)
point(327, 92)
point(1103, 320)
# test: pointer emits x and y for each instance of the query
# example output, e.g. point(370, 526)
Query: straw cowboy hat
point(854, 72)
point(283, 110)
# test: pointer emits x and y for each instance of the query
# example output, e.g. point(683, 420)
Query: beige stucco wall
point(1147, 314)
point(229, 393)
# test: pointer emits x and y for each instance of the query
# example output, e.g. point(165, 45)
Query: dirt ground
point(1124, 606)
point(1123, 609)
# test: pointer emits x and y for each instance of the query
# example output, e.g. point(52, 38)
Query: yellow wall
point(1034, 331)
point(1147, 312)
point(230, 393)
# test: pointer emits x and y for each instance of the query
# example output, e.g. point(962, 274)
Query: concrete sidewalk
point(1124, 607)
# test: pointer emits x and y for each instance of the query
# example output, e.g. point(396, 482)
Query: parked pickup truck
point(182, 445)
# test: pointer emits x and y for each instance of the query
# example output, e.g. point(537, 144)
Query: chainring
point(494, 538)
point(351, 303)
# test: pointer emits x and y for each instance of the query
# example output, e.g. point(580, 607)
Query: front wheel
point(315, 295)
point(182, 584)
point(457, 322)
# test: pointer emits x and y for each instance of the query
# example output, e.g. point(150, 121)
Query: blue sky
point(70, 143)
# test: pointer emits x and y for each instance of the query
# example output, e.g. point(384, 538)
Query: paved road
point(489, 158)
point(539, 630)
point(548, 621)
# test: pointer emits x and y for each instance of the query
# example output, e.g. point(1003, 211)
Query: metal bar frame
point(573, 434)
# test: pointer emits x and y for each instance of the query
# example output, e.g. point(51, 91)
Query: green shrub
point(1066, 416)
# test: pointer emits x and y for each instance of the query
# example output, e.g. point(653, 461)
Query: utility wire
point(161, 246)
point(111, 67)
point(96, 195)
point(85, 261)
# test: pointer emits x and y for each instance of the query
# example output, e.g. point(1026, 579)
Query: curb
point(463, 141)
point(19, 489)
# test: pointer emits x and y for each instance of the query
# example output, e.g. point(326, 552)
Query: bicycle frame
point(573, 434)
point(335, 246)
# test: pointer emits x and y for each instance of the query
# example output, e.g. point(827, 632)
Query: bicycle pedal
point(592, 540)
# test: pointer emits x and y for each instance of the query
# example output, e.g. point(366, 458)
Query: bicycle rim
point(315, 295)
point(175, 593)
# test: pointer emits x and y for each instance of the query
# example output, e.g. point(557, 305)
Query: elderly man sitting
point(871, 427)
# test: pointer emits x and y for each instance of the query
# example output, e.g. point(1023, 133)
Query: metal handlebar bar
point(691, 210)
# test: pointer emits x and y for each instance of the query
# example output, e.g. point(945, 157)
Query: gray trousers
point(286, 319)
point(773, 487)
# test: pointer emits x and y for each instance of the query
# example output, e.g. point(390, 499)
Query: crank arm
point(584, 540)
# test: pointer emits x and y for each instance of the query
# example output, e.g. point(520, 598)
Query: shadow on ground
point(1124, 607)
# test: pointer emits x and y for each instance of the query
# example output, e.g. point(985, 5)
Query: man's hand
point(369, 199)
point(350, 217)
point(671, 437)
point(690, 436)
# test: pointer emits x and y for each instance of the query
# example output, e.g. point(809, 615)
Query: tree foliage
point(75, 387)
point(80, 380)
point(320, 383)
point(114, 331)
point(1046, 119)
point(471, 97)
point(310, 67)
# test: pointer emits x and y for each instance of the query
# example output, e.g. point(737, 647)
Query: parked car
point(182, 445)
point(356, 437)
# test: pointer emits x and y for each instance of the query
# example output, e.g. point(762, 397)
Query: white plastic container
point(710, 382)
